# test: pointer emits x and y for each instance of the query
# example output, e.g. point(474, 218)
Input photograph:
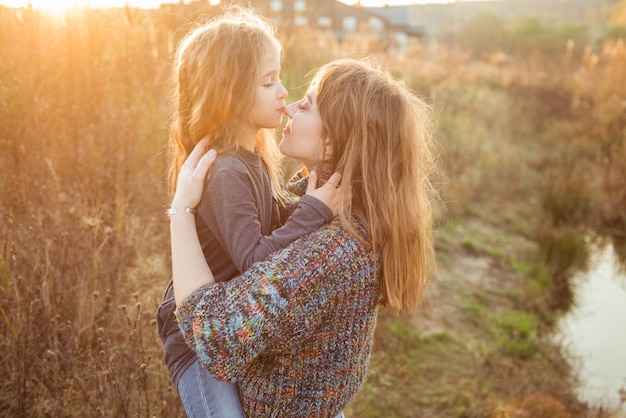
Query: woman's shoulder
point(340, 229)
point(336, 237)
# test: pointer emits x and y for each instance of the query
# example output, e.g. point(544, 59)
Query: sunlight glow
point(60, 6)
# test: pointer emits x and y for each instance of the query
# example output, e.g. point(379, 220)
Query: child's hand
point(192, 175)
point(330, 193)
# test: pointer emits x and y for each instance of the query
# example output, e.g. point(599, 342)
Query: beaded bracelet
point(172, 211)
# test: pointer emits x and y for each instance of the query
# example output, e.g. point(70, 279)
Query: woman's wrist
point(173, 210)
point(180, 206)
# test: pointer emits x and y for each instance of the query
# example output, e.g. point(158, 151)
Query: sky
point(65, 4)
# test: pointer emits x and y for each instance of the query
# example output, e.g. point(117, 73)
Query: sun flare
point(55, 7)
point(59, 7)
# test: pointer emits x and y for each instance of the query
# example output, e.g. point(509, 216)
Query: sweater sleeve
point(284, 298)
point(230, 212)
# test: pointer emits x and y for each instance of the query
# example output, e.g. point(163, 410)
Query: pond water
point(594, 331)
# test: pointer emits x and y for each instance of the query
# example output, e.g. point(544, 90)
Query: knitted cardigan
point(295, 331)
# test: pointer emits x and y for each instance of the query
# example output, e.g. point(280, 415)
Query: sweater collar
point(299, 181)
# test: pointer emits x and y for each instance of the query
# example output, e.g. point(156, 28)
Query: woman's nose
point(290, 109)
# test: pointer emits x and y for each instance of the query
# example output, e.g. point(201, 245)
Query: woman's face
point(302, 137)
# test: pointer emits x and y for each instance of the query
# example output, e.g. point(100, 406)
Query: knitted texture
point(296, 331)
point(299, 181)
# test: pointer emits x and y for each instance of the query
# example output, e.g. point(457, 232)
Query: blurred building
point(334, 17)
point(439, 22)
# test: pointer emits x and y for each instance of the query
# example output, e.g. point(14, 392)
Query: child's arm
point(229, 208)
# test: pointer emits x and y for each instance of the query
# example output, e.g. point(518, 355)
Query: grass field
point(533, 148)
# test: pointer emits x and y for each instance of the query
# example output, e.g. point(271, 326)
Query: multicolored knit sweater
point(295, 331)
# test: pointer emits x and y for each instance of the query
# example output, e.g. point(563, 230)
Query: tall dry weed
point(601, 97)
point(82, 128)
point(83, 245)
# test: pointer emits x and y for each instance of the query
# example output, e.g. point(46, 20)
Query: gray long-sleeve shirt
point(239, 223)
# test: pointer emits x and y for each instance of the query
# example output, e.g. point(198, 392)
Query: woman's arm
point(278, 301)
point(189, 268)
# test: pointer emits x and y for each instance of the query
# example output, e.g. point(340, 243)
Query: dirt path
point(493, 360)
point(466, 271)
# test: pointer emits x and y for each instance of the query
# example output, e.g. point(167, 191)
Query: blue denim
point(203, 396)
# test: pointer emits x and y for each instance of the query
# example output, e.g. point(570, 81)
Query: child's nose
point(282, 92)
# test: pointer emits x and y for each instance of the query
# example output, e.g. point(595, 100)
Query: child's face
point(302, 137)
point(269, 99)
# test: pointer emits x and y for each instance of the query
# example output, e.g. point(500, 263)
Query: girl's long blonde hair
point(216, 73)
point(379, 135)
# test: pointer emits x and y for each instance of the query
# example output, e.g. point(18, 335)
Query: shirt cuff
point(317, 205)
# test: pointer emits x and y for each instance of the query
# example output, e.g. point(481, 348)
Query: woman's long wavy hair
point(379, 134)
point(216, 73)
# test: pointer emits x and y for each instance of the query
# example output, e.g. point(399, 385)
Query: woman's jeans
point(203, 396)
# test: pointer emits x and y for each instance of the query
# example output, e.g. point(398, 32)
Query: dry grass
point(84, 248)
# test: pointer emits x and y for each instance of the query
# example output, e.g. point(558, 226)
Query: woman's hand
point(190, 270)
point(330, 193)
point(191, 177)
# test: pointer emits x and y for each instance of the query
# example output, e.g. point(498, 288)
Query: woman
point(296, 331)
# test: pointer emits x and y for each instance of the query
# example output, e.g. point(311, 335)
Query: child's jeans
point(203, 396)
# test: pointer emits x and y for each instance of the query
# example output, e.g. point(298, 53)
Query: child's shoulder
point(229, 161)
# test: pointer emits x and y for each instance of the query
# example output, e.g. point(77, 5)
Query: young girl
point(307, 315)
point(228, 89)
